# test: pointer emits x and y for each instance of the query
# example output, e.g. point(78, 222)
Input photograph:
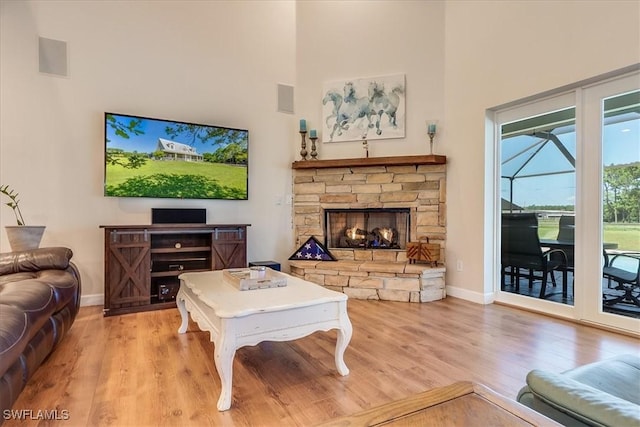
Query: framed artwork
point(366, 108)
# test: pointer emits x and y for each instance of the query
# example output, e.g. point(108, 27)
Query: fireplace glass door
point(367, 228)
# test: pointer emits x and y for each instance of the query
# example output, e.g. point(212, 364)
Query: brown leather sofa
point(39, 300)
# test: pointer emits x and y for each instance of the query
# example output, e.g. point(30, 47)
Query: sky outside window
point(555, 185)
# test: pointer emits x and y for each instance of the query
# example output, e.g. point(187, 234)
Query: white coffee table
point(237, 318)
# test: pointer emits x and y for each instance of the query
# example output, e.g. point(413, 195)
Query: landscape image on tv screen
point(147, 157)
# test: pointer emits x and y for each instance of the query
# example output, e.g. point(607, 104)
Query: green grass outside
point(627, 236)
point(230, 176)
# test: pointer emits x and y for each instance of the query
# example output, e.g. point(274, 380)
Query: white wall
point(204, 62)
point(339, 40)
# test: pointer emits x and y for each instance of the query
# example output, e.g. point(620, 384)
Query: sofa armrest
point(583, 402)
point(53, 258)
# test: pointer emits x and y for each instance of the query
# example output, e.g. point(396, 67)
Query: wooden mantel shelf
point(429, 159)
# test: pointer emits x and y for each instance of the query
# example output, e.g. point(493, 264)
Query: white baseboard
point(95, 299)
point(472, 296)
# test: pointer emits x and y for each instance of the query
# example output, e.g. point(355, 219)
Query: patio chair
point(624, 269)
point(567, 228)
point(566, 233)
point(521, 250)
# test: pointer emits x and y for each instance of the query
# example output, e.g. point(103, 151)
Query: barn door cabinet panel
point(143, 262)
point(229, 247)
point(127, 256)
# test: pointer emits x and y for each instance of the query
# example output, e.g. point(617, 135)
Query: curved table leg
point(183, 313)
point(344, 336)
point(223, 358)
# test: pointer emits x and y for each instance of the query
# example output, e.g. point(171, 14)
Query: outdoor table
point(563, 244)
point(568, 246)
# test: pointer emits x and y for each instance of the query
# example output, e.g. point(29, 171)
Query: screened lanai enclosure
point(538, 157)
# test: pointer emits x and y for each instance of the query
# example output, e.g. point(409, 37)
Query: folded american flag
point(312, 250)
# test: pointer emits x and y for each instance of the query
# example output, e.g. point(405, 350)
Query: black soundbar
point(178, 216)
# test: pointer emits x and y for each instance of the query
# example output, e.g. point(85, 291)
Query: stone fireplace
point(365, 210)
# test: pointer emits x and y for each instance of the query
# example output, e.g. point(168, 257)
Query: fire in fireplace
point(367, 228)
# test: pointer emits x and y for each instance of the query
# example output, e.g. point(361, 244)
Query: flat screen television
point(147, 157)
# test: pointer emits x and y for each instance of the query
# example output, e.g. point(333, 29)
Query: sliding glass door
point(612, 129)
point(537, 167)
point(570, 163)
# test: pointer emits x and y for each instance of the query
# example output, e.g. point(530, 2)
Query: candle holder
point(303, 150)
point(431, 131)
point(431, 136)
point(365, 145)
point(314, 153)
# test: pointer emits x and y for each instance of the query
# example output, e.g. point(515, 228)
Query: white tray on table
point(246, 279)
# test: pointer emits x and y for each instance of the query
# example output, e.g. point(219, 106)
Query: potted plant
point(22, 237)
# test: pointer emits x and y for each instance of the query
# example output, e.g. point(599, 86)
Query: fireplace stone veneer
point(417, 183)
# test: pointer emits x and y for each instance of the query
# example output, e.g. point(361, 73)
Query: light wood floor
point(136, 370)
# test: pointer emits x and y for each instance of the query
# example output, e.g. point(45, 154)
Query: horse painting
point(336, 100)
point(383, 103)
point(352, 108)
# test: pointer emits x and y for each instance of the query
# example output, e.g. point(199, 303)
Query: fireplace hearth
point(379, 228)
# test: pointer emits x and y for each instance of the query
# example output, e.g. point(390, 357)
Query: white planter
point(24, 237)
